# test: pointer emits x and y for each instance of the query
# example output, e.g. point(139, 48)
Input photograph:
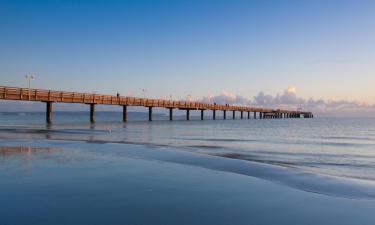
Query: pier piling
point(170, 114)
point(49, 112)
point(124, 113)
point(92, 113)
point(150, 113)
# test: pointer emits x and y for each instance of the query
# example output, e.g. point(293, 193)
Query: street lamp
point(144, 93)
point(29, 78)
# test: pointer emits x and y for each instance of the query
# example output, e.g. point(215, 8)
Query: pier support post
point(49, 112)
point(202, 114)
point(248, 115)
point(92, 113)
point(241, 115)
point(124, 113)
point(225, 114)
point(255, 115)
point(170, 114)
point(214, 114)
point(260, 115)
point(150, 113)
point(234, 114)
point(188, 114)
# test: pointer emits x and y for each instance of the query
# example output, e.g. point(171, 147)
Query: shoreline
point(299, 179)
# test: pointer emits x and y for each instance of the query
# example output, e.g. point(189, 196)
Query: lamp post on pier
point(29, 78)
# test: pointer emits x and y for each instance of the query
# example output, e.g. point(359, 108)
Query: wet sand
point(75, 182)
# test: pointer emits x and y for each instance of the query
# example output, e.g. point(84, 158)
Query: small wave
point(204, 146)
point(218, 139)
point(348, 138)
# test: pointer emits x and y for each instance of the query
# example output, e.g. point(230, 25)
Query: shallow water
point(343, 147)
point(186, 172)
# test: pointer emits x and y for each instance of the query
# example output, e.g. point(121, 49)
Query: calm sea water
point(185, 172)
point(343, 147)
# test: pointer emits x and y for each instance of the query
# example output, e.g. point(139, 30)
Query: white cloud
point(289, 100)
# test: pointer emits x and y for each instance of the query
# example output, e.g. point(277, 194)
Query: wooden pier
point(50, 97)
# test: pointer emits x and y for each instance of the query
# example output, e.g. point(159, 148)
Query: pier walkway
point(51, 96)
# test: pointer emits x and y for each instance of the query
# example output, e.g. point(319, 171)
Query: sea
point(242, 171)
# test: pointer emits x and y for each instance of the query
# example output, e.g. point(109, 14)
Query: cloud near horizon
point(289, 100)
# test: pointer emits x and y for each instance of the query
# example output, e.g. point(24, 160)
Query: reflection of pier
point(49, 97)
point(4, 151)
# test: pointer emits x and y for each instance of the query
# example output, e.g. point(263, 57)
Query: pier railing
point(51, 96)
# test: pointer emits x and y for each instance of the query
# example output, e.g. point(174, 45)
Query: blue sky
point(325, 49)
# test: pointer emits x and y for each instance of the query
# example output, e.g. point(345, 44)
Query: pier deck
point(52, 96)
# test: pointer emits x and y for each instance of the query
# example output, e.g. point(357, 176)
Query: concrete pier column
point(150, 113)
point(170, 114)
point(248, 115)
point(214, 114)
point(202, 114)
point(260, 115)
point(49, 112)
point(241, 115)
point(124, 113)
point(92, 113)
point(255, 115)
point(188, 114)
point(234, 114)
point(225, 114)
